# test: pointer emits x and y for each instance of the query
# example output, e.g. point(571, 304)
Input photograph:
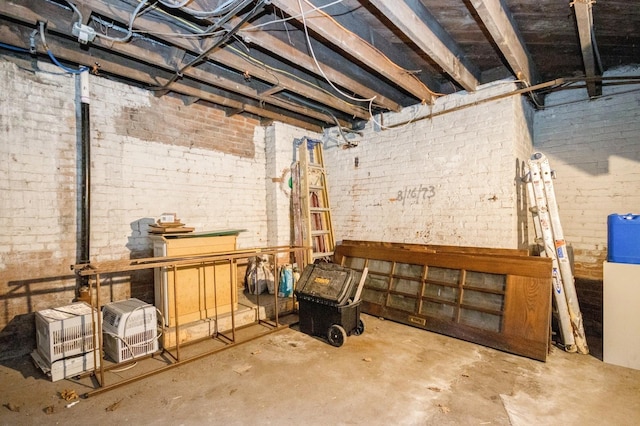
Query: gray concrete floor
point(390, 375)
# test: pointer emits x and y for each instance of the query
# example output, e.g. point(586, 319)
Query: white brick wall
point(594, 146)
point(141, 167)
point(451, 179)
point(134, 181)
point(37, 171)
point(445, 180)
point(280, 156)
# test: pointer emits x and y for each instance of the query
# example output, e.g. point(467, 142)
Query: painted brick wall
point(450, 179)
point(149, 155)
point(280, 156)
point(594, 147)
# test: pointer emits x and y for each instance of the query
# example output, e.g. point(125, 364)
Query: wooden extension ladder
point(315, 223)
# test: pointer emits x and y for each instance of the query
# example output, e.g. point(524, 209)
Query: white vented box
point(68, 367)
point(130, 329)
point(66, 331)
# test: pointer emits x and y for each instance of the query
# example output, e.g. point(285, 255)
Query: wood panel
point(202, 290)
point(439, 248)
point(500, 301)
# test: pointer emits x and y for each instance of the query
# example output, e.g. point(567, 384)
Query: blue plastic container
point(623, 238)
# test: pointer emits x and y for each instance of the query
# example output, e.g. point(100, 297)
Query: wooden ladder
point(317, 227)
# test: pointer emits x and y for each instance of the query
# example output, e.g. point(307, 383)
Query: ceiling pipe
point(529, 89)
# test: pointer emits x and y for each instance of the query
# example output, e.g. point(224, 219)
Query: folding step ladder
point(316, 224)
point(544, 209)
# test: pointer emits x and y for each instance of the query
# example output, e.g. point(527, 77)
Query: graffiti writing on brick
point(416, 194)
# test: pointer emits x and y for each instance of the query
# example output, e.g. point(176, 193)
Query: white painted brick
point(594, 146)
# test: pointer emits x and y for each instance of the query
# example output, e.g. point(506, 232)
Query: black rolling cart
point(329, 302)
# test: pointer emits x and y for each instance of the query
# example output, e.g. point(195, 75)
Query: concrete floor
point(390, 375)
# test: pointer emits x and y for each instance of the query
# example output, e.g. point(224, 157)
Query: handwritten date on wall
point(416, 194)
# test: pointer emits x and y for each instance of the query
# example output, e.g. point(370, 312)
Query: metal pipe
point(179, 363)
point(85, 169)
point(528, 89)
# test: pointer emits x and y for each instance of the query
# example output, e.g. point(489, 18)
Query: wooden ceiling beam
point(66, 50)
point(415, 21)
point(223, 56)
point(584, 19)
point(285, 50)
point(257, 70)
point(352, 44)
point(498, 21)
point(170, 58)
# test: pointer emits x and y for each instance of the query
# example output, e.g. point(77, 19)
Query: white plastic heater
point(130, 329)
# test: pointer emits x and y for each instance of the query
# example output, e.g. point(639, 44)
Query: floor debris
point(50, 409)
point(12, 407)
point(444, 408)
point(68, 395)
point(242, 370)
point(114, 406)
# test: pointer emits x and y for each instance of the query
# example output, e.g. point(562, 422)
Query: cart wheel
point(359, 328)
point(336, 335)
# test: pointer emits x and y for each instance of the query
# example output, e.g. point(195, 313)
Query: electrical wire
point(434, 94)
point(144, 344)
point(269, 67)
point(129, 33)
point(174, 6)
point(181, 35)
point(66, 69)
point(369, 100)
point(276, 21)
point(215, 45)
point(54, 59)
point(76, 10)
point(218, 11)
point(315, 60)
point(383, 127)
point(14, 48)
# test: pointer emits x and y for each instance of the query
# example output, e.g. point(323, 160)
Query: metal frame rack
point(96, 272)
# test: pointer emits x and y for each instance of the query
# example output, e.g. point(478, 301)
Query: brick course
point(149, 155)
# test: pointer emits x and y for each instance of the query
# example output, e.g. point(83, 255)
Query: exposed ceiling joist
point(264, 72)
point(413, 19)
point(355, 46)
point(134, 71)
point(267, 64)
point(498, 21)
point(227, 58)
point(584, 19)
point(165, 58)
point(267, 41)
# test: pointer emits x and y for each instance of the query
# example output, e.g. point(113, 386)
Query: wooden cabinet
point(621, 317)
point(201, 290)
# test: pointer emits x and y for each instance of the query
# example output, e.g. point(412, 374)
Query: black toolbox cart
point(329, 302)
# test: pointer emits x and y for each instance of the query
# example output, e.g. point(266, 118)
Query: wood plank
point(285, 50)
point(436, 248)
point(507, 309)
point(498, 21)
point(122, 13)
point(331, 30)
point(66, 51)
point(522, 306)
point(530, 266)
point(583, 10)
point(421, 27)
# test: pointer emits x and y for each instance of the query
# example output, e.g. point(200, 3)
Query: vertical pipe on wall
point(85, 170)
